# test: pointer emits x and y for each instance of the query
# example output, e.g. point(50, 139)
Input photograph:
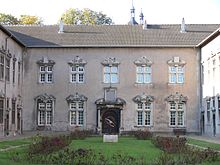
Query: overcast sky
point(155, 11)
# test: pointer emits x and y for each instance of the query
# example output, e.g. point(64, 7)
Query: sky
point(155, 11)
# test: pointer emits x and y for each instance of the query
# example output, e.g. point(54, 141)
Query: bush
point(170, 144)
point(46, 145)
point(142, 135)
point(80, 134)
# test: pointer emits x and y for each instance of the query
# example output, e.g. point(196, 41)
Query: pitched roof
point(113, 35)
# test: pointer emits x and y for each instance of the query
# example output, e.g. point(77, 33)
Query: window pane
point(49, 68)
point(41, 106)
point(49, 117)
point(148, 69)
point(172, 106)
point(72, 117)
point(48, 106)
point(140, 118)
point(180, 106)
point(107, 69)
point(41, 117)
point(73, 105)
point(147, 117)
point(114, 78)
point(147, 78)
point(147, 106)
point(114, 69)
point(139, 69)
point(1, 110)
point(81, 77)
point(173, 69)
point(172, 78)
point(73, 68)
point(49, 77)
point(140, 106)
point(42, 69)
point(42, 77)
point(73, 78)
point(172, 118)
point(180, 78)
point(106, 78)
point(80, 117)
point(80, 105)
point(180, 69)
point(80, 69)
point(180, 118)
point(140, 78)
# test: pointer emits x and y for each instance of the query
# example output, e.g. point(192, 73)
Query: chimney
point(183, 26)
point(145, 25)
point(61, 26)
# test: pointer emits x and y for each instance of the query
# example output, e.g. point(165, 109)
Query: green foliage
point(85, 17)
point(8, 19)
point(204, 144)
point(29, 20)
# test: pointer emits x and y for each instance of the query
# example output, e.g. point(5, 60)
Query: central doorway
point(110, 121)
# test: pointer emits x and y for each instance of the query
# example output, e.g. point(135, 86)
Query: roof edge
point(12, 36)
point(209, 38)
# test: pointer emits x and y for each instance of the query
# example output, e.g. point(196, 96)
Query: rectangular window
point(143, 74)
point(176, 114)
point(77, 74)
point(7, 76)
point(49, 117)
point(176, 74)
point(46, 74)
point(13, 71)
point(45, 113)
point(19, 72)
point(41, 117)
point(144, 114)
point(77, 113)
point(13, 112)
point(2, 67)
point(111, 74)
point(1, 110)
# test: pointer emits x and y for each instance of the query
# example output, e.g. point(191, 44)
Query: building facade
point(111, 79)
point(11, 76)
point(210, 49)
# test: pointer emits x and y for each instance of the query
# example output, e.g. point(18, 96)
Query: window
point(13, 111)
point(110, 74)
point(1, 110)
point(45, 114)
point(7, 74)
point(176, 74)
point(77, 74)
point(143, 74)
point(19, 72)
point(2, 67)
point(46, 74)
point(76, 113)
point(144, 114)
point(13, 71)
point(176, 114)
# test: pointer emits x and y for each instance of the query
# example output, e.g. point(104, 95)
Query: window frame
point(143, 111)
point(46, 75)
point(144, 73)
point(78, 118)
point(77, 73)
point(2, 66)
point(176, 74)
point(45, 114)
point(110, 74)
point(176, 110)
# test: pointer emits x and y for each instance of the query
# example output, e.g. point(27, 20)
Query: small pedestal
point(110, 138)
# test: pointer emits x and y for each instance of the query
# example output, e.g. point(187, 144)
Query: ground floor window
point(176, 114)
point(45, 114)
point(77, 113)
point(1, 110)
point(144, 115)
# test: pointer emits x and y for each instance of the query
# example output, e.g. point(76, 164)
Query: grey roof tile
point(112, 35)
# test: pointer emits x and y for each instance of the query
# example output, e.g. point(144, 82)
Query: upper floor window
point(144, 108)
point(77, 70)
point(143, 70)
point(19, 72)
point(2, 62)
point(13, 70)
point(77, 106)
point(176, 110)
point(45, 70)
point(45, 108)
point(176, 71)
point(110, 70)
point(7, 69)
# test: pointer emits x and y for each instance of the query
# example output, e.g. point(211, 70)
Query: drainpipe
point(5, 83)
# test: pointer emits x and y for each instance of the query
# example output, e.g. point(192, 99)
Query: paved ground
point(211, 139)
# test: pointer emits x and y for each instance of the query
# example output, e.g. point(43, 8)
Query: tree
point(8, 19)
point(85, 17)
point(30, 20)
